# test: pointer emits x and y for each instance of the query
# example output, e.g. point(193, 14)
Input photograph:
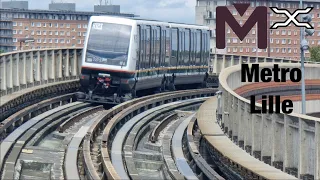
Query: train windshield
point(108, 44)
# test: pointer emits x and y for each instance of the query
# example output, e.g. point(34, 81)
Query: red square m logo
point(259, 16)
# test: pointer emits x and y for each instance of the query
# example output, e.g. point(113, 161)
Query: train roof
point(147, 21)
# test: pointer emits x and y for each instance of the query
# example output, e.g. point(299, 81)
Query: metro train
point(122, 56)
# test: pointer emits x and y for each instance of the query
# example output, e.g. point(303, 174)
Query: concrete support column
point(45, 66)
point(16, 71)
point(292, 138)
point(51, 65)
point(279, 141)
point(267, 138)
point(242, 128)
point(66, 64)
point(256, 135)
point(58, 62)
point(37, 67)
point(248, 130)
point(232, 61)
point(223, 65)
point(23, 67)
point(79, 62)
point(9, 71)
point(307, 148)
point(29, 68)
point(3, 78)
point(215, 64)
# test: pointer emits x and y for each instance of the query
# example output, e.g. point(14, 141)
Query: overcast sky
point(166, 10)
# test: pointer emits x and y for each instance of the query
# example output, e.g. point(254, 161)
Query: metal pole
point(303, 90)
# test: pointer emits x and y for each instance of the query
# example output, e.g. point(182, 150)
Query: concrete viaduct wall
point(24, 69)
point(291, 142)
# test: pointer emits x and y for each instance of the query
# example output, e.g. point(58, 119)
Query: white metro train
point(122, 56)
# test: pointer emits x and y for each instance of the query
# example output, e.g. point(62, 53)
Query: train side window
point(198, 48)
point(157, 47)
point(168, 48)
point(193, 43)
point(174, 47)
point(139, 50)
point(148, 47)
point(187, 48)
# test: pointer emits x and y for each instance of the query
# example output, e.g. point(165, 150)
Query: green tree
point(1, 51)
point(315, 54)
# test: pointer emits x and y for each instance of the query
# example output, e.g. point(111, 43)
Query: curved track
point(144, 138)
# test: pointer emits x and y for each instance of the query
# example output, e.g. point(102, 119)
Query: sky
point(165, 10)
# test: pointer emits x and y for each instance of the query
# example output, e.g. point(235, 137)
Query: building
point(283, 42)
point(48, 28)
point(14, 4)
point(62, 6)
point(107, 8)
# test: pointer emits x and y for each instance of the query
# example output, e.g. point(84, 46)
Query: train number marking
point(97, 26)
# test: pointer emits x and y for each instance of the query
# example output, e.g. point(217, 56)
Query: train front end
point(107, 74)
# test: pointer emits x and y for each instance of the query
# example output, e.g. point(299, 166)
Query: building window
point(44, 24)
point(44, 41)
point(56, 40)
point(38, 32)
point(20, 23)
point(68, 25)
point(241, 49)
point(235, 49)
point(26, 28)
point(84, 34)
point(228, 40)
point(50, 33)
point(253, 31)
point(14, 40)
point(271, 40)
point(62, 25)
point(289, 33)
point(283, 32)
point(79, 25)
point(79, 33)
point(62, 41)
point(50, 24)
point(56, 33)
point(228, 31)
point(38, 40)
point(38, 24)
point(14, 24)
point(50, 40)
point(253, 41)
point(234, 12)
point(283, 50)
point(289, 50)
point(271, 50)
point(289, 41)
point(44, 32)
point(68, 33)
point(56, 25)
point(284, 41)
point(79, 41)
point(278, 41)
point(277, 32)
point(85, 26)
point(61, 33)
point(68, 41)
point(14, 32)
point(20, 31)
point(32, 32)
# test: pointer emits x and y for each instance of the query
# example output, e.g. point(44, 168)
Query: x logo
point(291, 18)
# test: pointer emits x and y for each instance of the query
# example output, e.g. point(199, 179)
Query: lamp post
point(303, 88)
point(304, 46)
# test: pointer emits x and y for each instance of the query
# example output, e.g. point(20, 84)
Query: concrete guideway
point(224, 148)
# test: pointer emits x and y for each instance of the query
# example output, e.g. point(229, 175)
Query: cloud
point(165, 10)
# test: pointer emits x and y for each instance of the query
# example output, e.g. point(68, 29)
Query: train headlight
point(89, 59)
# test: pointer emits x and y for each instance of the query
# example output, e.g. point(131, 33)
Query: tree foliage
point(315, 54)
